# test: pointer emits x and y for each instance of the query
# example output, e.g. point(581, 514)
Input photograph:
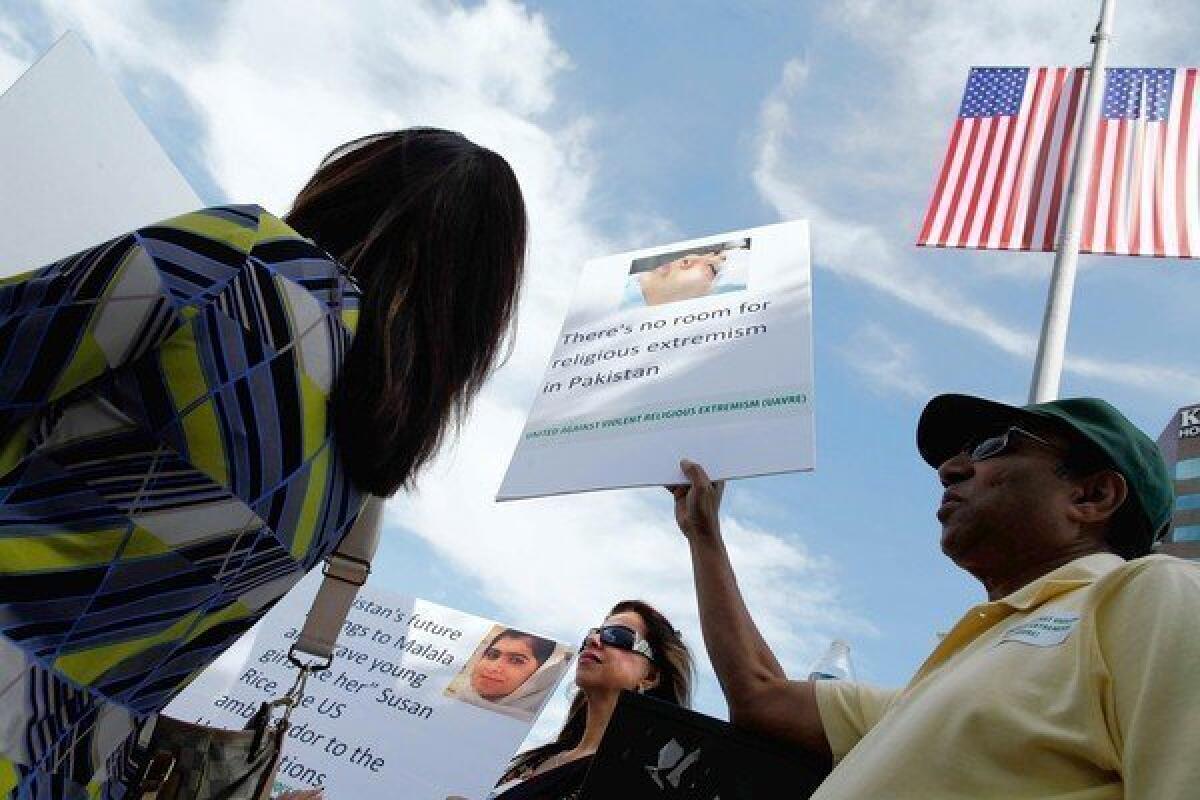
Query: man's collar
point(1080, 572)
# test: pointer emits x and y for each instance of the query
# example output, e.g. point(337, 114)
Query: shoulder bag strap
point(346, 569)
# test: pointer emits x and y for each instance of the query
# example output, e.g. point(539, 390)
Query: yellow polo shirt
point(1085, 685)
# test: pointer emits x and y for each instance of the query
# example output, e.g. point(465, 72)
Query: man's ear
point(1098, 496)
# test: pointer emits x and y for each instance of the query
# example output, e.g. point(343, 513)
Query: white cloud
point(879, 130)
point(15, 56)
point(887, 363)
point(273, 98)
point(924, 47)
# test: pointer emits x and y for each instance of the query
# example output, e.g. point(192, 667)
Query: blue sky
point(635, 124)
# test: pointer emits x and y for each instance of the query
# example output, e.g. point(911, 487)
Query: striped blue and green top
point(167, 472)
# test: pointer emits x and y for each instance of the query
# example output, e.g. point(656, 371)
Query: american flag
point(1004, 181)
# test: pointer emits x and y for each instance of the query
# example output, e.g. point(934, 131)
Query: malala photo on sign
point(511, 672)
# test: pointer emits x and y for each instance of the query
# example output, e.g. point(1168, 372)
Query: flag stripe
point(989, 166)
point(941, 184)
point(1015, 188)
point(1009, 186)
point(1004, 180)
point(964, 167)
point(1137, 180)
point(1117, 195)
point(1190, 207)
point(1090, 218)
point(1010, 129)
point(1063, 173)
point(1039, 174)
point(1181, 163)
point(1105, 199)
point(1014, 201)
point(975, 162)
point(1170, 208)
point(1156, 200)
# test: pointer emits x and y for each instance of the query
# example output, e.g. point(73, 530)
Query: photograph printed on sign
point(685, 274)
point(511, 672)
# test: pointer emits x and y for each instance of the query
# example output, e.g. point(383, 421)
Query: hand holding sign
point(697, 503)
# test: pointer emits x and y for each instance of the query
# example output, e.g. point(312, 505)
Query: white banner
point(699, 349)
point(421, 701)
point(77, 165)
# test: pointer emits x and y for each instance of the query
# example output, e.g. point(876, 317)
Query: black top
point(654, 749)
point(561, 783)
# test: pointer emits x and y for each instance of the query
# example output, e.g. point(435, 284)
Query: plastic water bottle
point(834, 665)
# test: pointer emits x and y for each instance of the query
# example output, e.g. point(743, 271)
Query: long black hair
point(432, 227)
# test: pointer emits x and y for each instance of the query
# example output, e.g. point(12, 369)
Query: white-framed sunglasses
point(621, 637)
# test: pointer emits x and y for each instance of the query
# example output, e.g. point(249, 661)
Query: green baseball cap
point(950, 420)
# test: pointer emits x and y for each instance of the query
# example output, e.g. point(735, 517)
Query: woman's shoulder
point(242, 228)
point(218, 243)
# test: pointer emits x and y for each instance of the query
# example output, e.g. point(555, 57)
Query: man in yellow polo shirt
point(1075, 680)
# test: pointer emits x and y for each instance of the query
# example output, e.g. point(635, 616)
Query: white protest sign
point(699, 349)
point(421, 701)
point(77, 165)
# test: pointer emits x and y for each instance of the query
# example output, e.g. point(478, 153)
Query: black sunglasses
point(621, 637)
point(992, 446)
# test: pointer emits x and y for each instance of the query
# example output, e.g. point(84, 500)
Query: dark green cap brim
point(950, 420)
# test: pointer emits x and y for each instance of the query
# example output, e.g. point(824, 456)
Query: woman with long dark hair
point(636, 649)
point(192, 414)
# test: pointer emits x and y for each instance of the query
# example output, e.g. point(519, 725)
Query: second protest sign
point(420, 701)
point(699, 349)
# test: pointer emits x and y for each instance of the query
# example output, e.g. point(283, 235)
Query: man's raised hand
point(697, 503)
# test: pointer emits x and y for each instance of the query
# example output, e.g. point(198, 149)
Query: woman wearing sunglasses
point(636, 649)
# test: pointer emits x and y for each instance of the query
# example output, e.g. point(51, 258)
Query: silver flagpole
point(1047, 370)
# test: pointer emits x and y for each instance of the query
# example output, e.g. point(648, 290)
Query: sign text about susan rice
point(356, 672)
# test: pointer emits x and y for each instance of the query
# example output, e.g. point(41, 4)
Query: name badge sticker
point(1048, 630)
